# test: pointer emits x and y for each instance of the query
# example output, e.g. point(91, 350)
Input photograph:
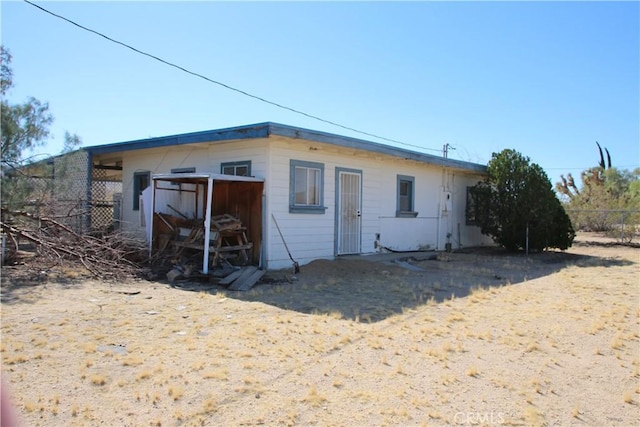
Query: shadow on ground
point(369, 289)
point(606, 244)
point(16, 286)
point(362, 288)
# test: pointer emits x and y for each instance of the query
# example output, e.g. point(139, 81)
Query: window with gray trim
point(306, 187)
point(472, 212)
point(141, 180)
point(183, 170)
point(405, 207)
point(236, 168)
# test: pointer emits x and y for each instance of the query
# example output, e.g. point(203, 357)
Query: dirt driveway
point(477, 338)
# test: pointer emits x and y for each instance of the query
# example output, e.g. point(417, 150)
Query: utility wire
point(592, 166)
point(223, 84)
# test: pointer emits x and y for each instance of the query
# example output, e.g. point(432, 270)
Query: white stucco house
point(331, 195)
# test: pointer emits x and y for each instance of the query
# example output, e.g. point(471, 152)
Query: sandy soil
point(477, 338)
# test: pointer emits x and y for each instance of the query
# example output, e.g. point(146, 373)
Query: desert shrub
point(515, 203)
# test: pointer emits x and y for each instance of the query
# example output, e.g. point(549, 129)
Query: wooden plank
point(231, 277)
point(246, 284)
point(167, 223)
point(200, 246)
point(177, 211)
point(190, 245)
point(246, 273)
point(234, 248)
point(225, 222)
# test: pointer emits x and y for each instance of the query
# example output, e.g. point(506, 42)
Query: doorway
point(348, 211)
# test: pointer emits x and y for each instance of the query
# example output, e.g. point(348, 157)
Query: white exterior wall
point(312, 236)
point(453, 220)
point(205, 157)
point(409, 234)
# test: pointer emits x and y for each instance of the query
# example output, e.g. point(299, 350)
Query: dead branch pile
point(108, 257)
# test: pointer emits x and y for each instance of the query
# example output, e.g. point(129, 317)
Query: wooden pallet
point(225, 222)
point(228, 237)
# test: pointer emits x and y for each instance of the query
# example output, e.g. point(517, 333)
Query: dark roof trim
point(240, 132)
point(355, 143)
point(264, 130)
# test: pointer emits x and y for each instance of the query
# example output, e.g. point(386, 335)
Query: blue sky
point(545, 78)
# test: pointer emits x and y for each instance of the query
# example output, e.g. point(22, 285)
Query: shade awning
point(202, 177)
point(207, 180)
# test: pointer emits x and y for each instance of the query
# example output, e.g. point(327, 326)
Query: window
point(236, 168)
point(183, 170)
point(141, 180)
point(405, 200)
point(306, 188)
point(472, 211)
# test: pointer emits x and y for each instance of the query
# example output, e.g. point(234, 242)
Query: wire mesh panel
point(105, 191)
point(70, 190)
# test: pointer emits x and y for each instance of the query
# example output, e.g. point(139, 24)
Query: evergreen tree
point(24, 126)
point(516, 203)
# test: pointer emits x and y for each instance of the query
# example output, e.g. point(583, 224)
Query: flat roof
point(265, 130)
point(191, 177)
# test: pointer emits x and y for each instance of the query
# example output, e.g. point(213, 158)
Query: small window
point(472, 210)
point(405, 201)
point(236, 168)
point(183, 170)
point(306, 193)
point(141, 180)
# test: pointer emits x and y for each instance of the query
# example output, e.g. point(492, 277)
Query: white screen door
point(349, 215)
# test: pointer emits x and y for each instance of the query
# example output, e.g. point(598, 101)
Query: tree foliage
point(516, 203)
point(605, 195)
point(24, 126)
point(6, 73)
point(590, 177)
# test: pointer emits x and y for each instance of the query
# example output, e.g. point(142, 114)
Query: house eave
point(360, 144)
point(266, 129)
point(228, 134)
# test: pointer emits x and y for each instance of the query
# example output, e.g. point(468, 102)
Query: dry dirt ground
point(475, 338)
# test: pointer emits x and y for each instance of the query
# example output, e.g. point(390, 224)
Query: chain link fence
point(105, 200)
point(622, 225)
point(70, 195)
point(60, 189)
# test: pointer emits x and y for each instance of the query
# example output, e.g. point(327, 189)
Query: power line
point(226, 86)
point(592, 166)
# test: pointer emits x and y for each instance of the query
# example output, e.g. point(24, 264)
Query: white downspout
point(439, 227)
